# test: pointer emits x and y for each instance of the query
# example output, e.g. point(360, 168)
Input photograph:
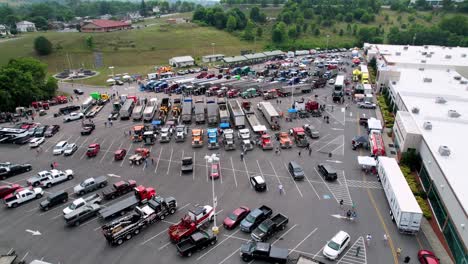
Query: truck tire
point(77, 223)
point(172, 211)
point(189, 254)
point(213, 242)
point(136, 232)
point(212, 218)
point(46, 208)
point(65, 200)
point(35, 184)
point(101, 185)
point(70, 177)
point(49, 185)
point(161, 217)
point(81, 193)
point(119, 241)
point(128, 236)
point(112, 196)
point(14, 205)
point(246, 259)
point(38, 196)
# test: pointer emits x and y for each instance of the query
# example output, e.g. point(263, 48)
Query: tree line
point(23, 81)
point(263, 3)
point(41, 13)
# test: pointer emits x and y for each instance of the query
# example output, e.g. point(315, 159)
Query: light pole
point(328, 38)
point(212, 159)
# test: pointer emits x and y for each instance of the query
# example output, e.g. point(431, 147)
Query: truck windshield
point(263, 228)
point(250, 219)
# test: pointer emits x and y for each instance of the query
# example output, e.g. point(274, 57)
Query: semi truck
point(212, 134)
point(199, 112)
point(237, 115)
point(150, 110)
point(404, 209)
point(223, 111)
point(126, 227)
point(137, 113)
point(212, 110)
point(141, 195)
point(270, 114)
point(126, 109)
point(187, 111)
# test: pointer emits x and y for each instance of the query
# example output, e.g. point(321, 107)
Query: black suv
point(258, 183)
point(296, 171)
point(327, 172)
point(53, 200)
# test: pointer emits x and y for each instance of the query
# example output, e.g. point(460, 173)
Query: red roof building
point(103, 25)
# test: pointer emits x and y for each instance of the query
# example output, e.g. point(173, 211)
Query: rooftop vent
point(393, 82)
point(415, 110)
point(398, 53)
point(448, 56)
point(463, 55)
point(427, 80)
point(463, 82)
point(453, 113)
point(421, 69)
point(429, 56)
point(423, 61)
point(444, 151)
point(440, 100)
point(457, 77)
point(448, 70)
point(424, 53)
point(432, 52)
point(427, 125)
point(405, 47)
point(426, 47)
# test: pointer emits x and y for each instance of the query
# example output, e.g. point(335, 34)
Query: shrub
point(424, 207)
point(42, 46)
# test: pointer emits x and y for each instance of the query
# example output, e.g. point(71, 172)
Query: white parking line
point(325, 184)
point(180, 172)
point(128, 153)
point(339, 137)
point(25, 256)
point(307, 178)
point(58, 140)
point(302, 241)
point(217, 245)
point(170, 160)
point(165, 245)
point(286, 166)
point(153, 237)
point(285, 233)
point(103, 156)
point(82, 143)
point(234, 172)
point(246, 170)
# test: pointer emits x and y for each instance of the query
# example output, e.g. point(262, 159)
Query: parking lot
point(312, 205)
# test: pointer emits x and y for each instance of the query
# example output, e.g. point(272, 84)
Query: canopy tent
point(258, 129)
point(374, 124)
point(366, 161)
point(110, 81)
point(156, 122)
point(292, 110)
point(224, 125)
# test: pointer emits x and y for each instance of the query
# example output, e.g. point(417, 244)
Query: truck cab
point(285, 141)
point(197, 138)
point(265, 142)
point(149, 137)
point(212, 134)
point(165, 135)
point(263, 251)
point(228, 139)
point(243, 134)
point(181, 132)
point(299, 136)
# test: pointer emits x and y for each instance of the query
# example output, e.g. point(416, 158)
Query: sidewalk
point(433, 234)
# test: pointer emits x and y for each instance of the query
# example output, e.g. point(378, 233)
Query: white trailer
point(257, 127)
point(269, 112)
point(404, 209)
point(150, 109)
point(237, 115)
point(137, 113)
point(223, 111)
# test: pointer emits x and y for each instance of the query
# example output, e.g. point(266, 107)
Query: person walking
point(299, 153)
point(110, 123)
point(280, 188)
point(407, 259)
point(105, 124)
point(385, 239)
point(310, 151)
point(152, 161)
point(52, 166)
point(341, 203)
point(146, 162)
point(242, 155)
point(368, 239)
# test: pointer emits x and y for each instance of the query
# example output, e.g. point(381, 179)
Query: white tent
point(126, 77)
point(110, 81)
point(366, 161)
point(374, 124)
point(260, 128)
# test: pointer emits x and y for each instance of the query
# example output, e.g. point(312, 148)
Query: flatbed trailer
point(257, 127)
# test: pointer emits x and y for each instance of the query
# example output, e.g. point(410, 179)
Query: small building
point(182, 61)
point(255, 57)
point(102, 25)
point(4, 30)
point(25, 26)
point(406, 133)
point(273, 54)
point(212, 58)
point(235, 59)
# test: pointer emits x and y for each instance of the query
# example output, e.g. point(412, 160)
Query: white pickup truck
point(13, 200)
point(56, 177)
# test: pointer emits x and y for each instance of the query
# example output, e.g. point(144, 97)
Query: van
point(60, 147)
point(327, 172)
point(53, 200)
point(336, 245)
point(296, 171)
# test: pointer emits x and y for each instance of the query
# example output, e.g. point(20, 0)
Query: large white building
point(428, 90)
point(25, 26)
point(182, 61)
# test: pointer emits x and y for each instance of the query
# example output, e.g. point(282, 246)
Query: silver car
point(70, 149)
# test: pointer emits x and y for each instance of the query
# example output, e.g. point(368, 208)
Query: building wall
point(26, 28)
point(93, 28)
point(181, 64)
point(447, 210)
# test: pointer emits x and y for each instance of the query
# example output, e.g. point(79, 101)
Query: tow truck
point(141, 195)
point(265, 142)
point(176, 107)
point(140, 155)
point(126, 227)
point(197, 138)
point(212, 134)
point(228, 139)
point(299, 136)
point(285, 141)
point(165, 135)
point(190, 223)
point(181, 132)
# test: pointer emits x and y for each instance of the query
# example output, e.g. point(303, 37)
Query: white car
point(336, 245)
point(35, 142)
point(331, 81)
point(366, 105)
point(60, 148)
point(70, 149)
point(73, 116)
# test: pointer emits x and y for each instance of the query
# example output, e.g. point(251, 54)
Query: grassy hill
point(133, 51)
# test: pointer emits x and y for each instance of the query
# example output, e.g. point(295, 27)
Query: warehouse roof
point(234, 59)
point(213, 56)
point(182, 59)
point(273, 53)
point(255, 56)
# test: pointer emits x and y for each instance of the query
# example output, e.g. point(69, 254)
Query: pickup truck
point(80, 202)
point(13, 169)
point(57, 177)
point(90, 184)
point(86, 129)
point(187, 164)
point(36, 179)
point(20, 196)
point(198, 240)
point(119, 188)
point(255, 218)
point(263, 251)
point(82, 214)
point(269, 227)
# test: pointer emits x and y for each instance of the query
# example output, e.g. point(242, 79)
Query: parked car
point(80, 202)
point(366, 105)
point(36, 142)
point(78, 91)
point(327, 172)
point(234, 218)
point(70, 149)
point(427, 257)
point(120, 154)
point(73, 117)
point(51, 130)
point(215, 173)
point(14, 169)
point(258, 183)
point(60, 148)
point(296, 170)
point(8, 189)
point(119, 188)
point(196, 241)
point(54, 199)
point(336, 245)
point(86, 129)
point(331, 81)
point(40, 131)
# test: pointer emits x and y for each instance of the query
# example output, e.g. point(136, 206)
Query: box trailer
point(212, 110)
point(199, 112)
point(187, 111)
point(126, 109)
point(150, 109)
point(237, 115)
point(404, 209)
point(137, 113)
point(269, 112)
point(223, 111)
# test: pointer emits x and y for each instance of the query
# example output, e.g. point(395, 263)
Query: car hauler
point(137, 114)
point(404, 209)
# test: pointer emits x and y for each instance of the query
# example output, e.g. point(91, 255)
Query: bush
point(424, 207)
point(42, 46)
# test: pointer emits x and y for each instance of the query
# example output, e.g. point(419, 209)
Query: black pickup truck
point(187, 165)
point(198, 240)
point(269, 227)
point(263, 251)
point(255, 218)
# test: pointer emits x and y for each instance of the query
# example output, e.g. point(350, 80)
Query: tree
point(447, 4)
point(40, 22)
point(279, 33)
point(373, 64)
point(366, 18)
point(317, 32)
point(457, 24)
point(199, 14)
point(292, 34)
point(143, 9)
point(255, 13)
point(276, 3)
point(90, 42)
point(341, 33)
point(42, 46)
point(348, 18)
point(231, 23)
point(248, 32)
point(259, 32)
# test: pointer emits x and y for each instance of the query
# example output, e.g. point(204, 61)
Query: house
point(57, 25)
point(182, 61)
point(4, 30)
point(212, 58)
point(102, 25)
point(25, 26)
point(106, 16)
point(133, 16)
